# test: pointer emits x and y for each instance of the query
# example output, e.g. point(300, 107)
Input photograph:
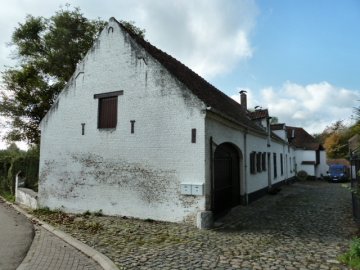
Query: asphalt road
point(16, 235)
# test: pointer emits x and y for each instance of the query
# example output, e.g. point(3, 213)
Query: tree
point(13, 148)
point(336, 137)
point(274, 120)
point(48, 51)
point(357, 114)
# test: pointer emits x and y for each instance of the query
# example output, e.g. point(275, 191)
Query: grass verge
point(352, 257)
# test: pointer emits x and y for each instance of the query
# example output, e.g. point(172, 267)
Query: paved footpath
point(44, 251)
point(16, 234)
point(50, 252)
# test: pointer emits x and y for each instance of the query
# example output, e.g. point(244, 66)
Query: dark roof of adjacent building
point(206, 92)
point(277, 126)
point(302, 139)
point(259, 114)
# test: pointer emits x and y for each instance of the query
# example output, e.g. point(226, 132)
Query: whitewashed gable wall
point(118, 172)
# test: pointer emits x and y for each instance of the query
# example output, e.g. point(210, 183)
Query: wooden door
point(226, 187)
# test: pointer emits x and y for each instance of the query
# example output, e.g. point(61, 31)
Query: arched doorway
point(226, 185)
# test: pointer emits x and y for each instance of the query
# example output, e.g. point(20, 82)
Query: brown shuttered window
point(263, 161)
point(275, 166)
point(107, 112)
point(258, 162)
point(252, 162)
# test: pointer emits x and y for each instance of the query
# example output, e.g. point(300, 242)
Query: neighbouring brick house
point(137, 133)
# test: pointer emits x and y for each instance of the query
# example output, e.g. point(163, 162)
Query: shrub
point(302, 175)
point(352, 257)
point(13, 161)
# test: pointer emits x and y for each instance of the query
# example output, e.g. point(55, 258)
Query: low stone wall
point(27, 197)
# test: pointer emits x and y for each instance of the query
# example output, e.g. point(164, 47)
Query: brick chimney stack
point(243, 99)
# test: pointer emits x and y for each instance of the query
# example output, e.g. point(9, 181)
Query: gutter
point(245, 127)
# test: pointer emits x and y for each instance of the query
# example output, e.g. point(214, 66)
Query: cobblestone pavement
point(305, 226)
point(50, 252)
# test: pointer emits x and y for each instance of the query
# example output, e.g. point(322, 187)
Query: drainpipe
point(268, 130)
point(245, 168)
point(211, 204)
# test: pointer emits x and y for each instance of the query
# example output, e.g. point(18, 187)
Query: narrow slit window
point(132, 122)
point(193, 135)
point(252, 162)
point(275, 166)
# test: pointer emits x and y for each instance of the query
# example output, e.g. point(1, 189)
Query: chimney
point(243, 100)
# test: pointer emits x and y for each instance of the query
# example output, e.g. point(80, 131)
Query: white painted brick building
point(136, 133)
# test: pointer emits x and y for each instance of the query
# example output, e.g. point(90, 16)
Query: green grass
point(7, 196)
point(352, 257)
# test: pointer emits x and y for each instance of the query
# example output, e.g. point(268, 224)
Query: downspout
point(245, 168)
point(211, 204)
point(268, 130)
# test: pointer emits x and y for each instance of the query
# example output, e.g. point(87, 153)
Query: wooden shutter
point(107, 112)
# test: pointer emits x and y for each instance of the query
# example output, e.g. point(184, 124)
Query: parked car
point(338, 173)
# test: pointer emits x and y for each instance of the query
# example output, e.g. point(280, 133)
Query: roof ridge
point(200, 87)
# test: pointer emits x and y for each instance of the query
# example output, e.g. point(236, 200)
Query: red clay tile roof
point(302, 139)
point(206, 92)
point(259, 114)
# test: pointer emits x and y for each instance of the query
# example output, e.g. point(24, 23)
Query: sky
point(300, 59)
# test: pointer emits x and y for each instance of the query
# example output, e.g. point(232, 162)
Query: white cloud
point(312, 106)
point(210, 37)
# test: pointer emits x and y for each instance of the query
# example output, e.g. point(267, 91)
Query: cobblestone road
point(305, 226)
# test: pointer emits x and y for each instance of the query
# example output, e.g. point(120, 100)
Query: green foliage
point(335, 139)
point(133, 28)
point(48, 50)
point(352, 257)
point(357, 113)
point(7, 196)
point(13, 160)
point(274, 120)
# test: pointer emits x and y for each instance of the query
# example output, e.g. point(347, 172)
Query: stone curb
point(100, 258)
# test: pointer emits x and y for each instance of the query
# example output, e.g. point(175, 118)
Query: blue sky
point(304, 42)
point(300, 58)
